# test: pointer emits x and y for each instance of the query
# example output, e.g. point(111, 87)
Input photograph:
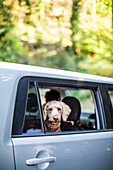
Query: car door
point(87, 149)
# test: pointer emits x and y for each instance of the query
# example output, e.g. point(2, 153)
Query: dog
point(53, 111)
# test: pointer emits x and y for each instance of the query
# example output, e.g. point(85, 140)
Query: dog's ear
point(45, 111)
point(65, 111)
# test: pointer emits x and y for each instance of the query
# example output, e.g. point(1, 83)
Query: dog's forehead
point(54, 104)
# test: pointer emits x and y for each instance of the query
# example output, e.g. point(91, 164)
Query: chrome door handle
point(35, 161)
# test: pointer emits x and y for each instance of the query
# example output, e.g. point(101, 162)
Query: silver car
point(85, 141)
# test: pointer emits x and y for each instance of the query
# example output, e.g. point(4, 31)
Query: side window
point(65, 107)
point(111, 96)
point(32, 121)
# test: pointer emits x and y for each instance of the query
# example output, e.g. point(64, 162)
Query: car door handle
point(35, 161)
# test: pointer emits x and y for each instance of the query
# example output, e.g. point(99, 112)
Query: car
point(24, 143)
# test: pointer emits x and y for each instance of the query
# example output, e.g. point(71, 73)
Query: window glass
point(74, 110)
point(32, 122)
point(111, 96)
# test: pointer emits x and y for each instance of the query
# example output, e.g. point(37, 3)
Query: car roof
point(20, 70)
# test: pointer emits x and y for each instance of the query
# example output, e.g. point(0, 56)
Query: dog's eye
point(50, 109)
point(59, 109)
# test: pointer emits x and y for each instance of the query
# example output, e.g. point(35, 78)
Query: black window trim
point(39, 105)
point(21, 86)
point(18, 113)
point(109, 106)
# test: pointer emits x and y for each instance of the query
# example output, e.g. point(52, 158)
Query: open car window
point(87, 119)
point(80, 99)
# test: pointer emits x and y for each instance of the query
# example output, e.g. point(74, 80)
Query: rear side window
point(33, 97)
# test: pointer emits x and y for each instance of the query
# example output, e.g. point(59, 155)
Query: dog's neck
point(52, 127)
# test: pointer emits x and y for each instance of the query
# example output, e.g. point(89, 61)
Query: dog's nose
point(55, 118)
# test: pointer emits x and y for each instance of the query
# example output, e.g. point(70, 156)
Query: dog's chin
point(54, 122)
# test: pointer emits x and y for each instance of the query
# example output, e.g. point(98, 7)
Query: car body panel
point(90, 150)
point(20, 70)
point(8, 88)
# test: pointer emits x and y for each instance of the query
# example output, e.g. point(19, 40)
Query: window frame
point(23, 89)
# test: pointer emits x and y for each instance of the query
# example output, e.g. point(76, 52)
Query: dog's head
point(53, 111)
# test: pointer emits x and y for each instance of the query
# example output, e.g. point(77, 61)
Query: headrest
point(32, 103)
point(75, 107)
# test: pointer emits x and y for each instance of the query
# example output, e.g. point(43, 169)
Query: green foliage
point(72, 35)
point(11, 49)
point(40, 9)
point(6, 23)
point(54, 58)
point(96, 49)
point(75, 22)
point(104, 7)
point(94, 39)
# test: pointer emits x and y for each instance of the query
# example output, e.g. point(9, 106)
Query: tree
point(11, 49)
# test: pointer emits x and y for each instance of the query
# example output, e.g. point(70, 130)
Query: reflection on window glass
point(32, 123)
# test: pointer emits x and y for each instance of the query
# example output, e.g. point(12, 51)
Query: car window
point(87, 117)
point(73, 108)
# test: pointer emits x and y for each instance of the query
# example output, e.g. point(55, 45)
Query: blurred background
point(75, 35)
